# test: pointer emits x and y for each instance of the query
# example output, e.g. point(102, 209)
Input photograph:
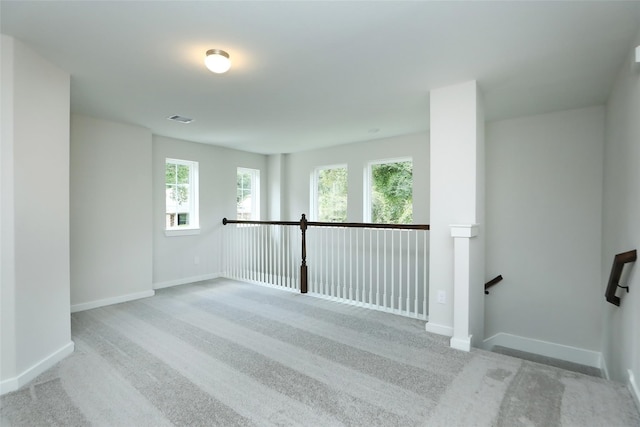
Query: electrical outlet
point(196, 259)
point(442, 297)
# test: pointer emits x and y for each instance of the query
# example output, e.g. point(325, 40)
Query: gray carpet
point(228, 353)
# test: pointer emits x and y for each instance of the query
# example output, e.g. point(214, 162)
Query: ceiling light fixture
point(217, 61)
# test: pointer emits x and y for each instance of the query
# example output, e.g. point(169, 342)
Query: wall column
point(276, 181)
point(456, 297)
point(34, 215)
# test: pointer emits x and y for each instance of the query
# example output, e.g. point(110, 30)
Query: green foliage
point(177, 180)
point(243, 186)
point(332, 195)
point(244, 182)
point(392, 193)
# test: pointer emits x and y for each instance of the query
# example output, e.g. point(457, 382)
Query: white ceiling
point(309, 74)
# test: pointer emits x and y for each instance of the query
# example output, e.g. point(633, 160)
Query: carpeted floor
point(228, 353)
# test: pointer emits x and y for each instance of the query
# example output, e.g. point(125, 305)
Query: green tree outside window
point(392, 193)
point(332, 195)
point(177, 181)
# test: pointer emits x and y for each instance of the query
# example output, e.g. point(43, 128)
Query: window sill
point(182, 232)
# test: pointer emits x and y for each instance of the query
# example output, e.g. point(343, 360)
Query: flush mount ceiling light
point(217, 61)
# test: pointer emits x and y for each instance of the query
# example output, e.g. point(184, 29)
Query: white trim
point(436, 328)
point(173, 232)
point(545, 348)
point(109, 301)
point(633, 388)
point(464, 230)
point(194, 197)
point(463, 344)
point(31, 373)
point(186, 280)
point(638, 54)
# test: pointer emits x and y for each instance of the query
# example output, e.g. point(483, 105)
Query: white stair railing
point(371, 265)
point(263, 253)
point(383, 269)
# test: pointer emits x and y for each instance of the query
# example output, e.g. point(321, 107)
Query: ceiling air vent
point(180, 119)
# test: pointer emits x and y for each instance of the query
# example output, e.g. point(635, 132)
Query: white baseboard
point(439, 329)
point(545, 348)
point(109, 301)
point(20, 380)
point(463, 344)
point(185, 280)
point(634, 387)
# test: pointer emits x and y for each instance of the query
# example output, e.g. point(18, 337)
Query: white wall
point(356, 156)
point(35, 215)
point(111, 240)
point(182, 259)
point(544, 198)
point(621, 330)
point(119, 249)
point(7, 237)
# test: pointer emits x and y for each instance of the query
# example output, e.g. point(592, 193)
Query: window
point(390, 192)
point(329, 194)
point(181, 194)
point(248, 194)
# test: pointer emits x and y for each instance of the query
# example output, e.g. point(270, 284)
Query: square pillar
point(462, 283)
point(456, 300)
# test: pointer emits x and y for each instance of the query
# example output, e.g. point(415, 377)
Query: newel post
point(303, 266)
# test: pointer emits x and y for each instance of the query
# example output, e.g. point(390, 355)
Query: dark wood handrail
point(226, 221)
point(304, 224)
point(369, 225)
point(492, 282)
point(616, 271)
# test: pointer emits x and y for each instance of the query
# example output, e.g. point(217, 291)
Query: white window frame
point(194, 205)
point(255, 191)
point(313, 191)
point(367, 180)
